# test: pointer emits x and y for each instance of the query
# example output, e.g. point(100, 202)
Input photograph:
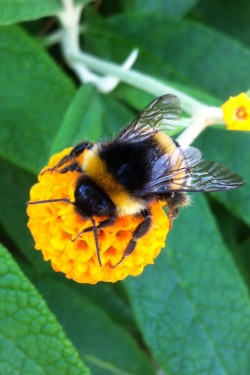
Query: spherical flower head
point(55, 227)
point(236, 112)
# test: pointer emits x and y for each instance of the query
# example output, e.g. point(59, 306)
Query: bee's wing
point(185, 171)
point(163, 114)
point(209, 176)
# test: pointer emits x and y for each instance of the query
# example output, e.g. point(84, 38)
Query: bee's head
point(91, 200)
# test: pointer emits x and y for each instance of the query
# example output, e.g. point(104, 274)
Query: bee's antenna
point(96, 241)
point(66, 200)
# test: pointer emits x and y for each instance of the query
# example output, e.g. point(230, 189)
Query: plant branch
point(202, 119)
point(110, 74)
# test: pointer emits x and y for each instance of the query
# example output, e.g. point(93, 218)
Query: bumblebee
point(141, 165)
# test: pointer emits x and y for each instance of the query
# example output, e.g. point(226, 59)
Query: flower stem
point(201, 120)
point(84, 65)
point(137, 79)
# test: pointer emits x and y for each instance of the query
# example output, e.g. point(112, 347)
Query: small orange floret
point(56, 225)
point(236, 112)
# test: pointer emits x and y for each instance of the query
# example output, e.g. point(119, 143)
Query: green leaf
point(231, 149)
point(135, 98)
point(13, 11)
point(32, 342)
point(105, 346)
point(83, 119)
point(34, 96)
point(14, 193)
point(192, 305)
point(89, 117)
point(192, 51)
point(116, 116)
point(83, 2)
point(244, 258)
point(105, 40)
point(175, 8)
point(226, 17)
point(113, 299)
point(235, 235)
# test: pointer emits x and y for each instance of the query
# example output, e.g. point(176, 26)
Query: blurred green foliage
point(190, 312)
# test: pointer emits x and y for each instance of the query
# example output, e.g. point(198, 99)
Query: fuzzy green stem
point(84, 65)
point(137, 79)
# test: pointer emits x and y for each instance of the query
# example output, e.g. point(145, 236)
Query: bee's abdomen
point(131, 164)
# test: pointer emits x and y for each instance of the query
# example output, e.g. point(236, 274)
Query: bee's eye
point(81, 192)
point(101, 205)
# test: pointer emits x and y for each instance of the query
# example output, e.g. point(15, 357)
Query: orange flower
point(236, 112)
point(55, 227)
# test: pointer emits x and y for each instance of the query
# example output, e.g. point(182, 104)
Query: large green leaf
point(232, 149)
point(103, 39)
point(175, 8)
point(13, 11)
point(192, 306)
point(90, 116)
point(14, 193)
point(82, 121)
point(224, 15)
point(34, 96)
point(32, 342)
point(105, 346)
point(113, 299)
point(202, 56)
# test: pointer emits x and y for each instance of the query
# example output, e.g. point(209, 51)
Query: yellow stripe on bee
point(177, 162)
point(165, 142)
point(96, 169)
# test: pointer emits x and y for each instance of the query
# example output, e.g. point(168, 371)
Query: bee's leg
point(76, 151)
point(94, 228)
point(105, 223)
point(139, 232)
point(174, 201)
point(173, 212)
point(72, 167)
